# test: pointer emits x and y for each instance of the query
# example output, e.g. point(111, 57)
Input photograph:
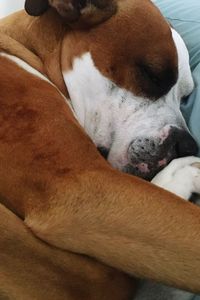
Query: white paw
point(181, 177)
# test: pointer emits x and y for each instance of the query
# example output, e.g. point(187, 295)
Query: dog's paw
point(85, 12)
point(181, 177)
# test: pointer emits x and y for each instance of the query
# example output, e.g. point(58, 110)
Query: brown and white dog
point(125, 78)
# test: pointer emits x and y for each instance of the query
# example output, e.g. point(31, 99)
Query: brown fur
point(87, 14)
point(52, 176)
point(31, 269)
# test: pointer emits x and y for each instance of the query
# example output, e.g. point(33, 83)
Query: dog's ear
point(85, 12)
point(36, 7)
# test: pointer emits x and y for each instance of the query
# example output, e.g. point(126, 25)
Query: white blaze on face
point(113, 117)
point(97, 101)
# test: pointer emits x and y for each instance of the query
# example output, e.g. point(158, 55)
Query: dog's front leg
point(181, 177)
point(126, 223)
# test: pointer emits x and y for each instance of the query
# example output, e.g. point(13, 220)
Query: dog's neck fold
point(37, 40)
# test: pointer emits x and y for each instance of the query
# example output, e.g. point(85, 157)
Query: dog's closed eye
point(156, 81)
point(148, 73)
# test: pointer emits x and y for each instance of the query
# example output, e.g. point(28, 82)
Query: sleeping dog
point(124, 80)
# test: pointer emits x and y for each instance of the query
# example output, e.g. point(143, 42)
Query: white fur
point(181, 177)
point(113, 116)
point(24, 66)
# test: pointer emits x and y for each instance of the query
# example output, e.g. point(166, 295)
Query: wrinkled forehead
point(138, 27)
point(137, 32)
point(134, 49)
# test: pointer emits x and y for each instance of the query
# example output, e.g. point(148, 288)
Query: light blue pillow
point(184, 15)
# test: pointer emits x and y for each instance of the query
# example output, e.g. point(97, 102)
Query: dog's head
point(126, 78)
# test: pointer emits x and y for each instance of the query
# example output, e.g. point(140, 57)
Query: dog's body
point(51, 173)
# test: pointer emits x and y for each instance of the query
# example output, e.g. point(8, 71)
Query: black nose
point(186, 145)
point(147, 156)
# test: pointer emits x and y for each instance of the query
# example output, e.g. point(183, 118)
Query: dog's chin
point(142, 170)
point(146, 170)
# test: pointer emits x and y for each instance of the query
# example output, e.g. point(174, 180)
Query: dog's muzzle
point(148, 155)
